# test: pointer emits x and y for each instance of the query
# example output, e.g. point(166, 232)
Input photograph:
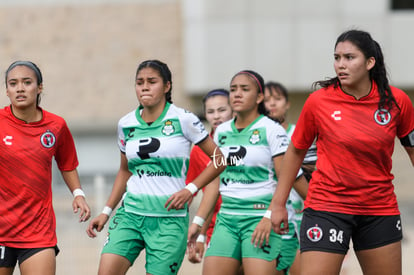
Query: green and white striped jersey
point(158, 155)
point(248, 183)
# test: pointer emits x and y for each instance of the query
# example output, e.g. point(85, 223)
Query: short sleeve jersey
point(247, 184)
point(27, 219)
point(157, 155)
point(355, 142)
point(310, 157)
point(198, 162)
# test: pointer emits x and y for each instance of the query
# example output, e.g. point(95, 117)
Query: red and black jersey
point(27, 218)
point(355, 142)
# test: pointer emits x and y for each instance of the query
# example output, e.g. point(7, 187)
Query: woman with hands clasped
point(155, 141)
point(253, 147)
point(355, 118)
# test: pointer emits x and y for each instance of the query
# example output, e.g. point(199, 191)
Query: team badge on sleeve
point(199, 125)
point(382, 116)
point(314, 233)
point(48, 139)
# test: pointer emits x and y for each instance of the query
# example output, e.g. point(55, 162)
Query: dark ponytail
point(370, 48)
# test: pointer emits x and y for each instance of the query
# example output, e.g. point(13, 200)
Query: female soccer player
point(31, 137)
point(216, 111)
point(355, 118)
point(155, 142)
point(253, 145)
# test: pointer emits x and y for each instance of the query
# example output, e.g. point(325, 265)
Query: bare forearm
point(291, 163)
point(209, 200)
point(118, 189)
point(71, 179)
point(214, 168)
point(208, 175)
point(206, 224)
point(301, 186)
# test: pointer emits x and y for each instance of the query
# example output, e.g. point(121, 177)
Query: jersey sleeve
point(406, 124)
point(121, 138)
point(66, 156)
point(305, 131)
point(216, 137)
point(278, 139)
point(198, 162)
point(193, 128)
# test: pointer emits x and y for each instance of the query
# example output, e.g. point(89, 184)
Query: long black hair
point(370, 48)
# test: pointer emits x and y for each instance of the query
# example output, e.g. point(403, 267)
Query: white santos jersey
point(248, 183)
point(158, 155)
point(310, 156)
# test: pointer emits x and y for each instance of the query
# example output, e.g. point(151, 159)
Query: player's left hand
point(79, 204)
point(261, 233)
point(196, 253)
point(178, 199)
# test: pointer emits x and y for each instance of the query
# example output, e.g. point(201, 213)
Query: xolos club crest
point(48, 139)
point(382, 116)
point(314, 233)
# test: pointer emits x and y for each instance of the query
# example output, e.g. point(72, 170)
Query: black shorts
point(331, 232)
point(10, 255)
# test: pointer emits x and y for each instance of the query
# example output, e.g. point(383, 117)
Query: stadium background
point(88, 51)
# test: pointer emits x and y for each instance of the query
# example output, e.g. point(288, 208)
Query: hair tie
point(28, 64)
point(216, 92)
point(255, 78)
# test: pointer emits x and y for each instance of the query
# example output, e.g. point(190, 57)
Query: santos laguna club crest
point(48, 139)
point(255, 137)
point(314, 233)
point(168, 128)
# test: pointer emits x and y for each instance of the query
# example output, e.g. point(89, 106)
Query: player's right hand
point(97, 224)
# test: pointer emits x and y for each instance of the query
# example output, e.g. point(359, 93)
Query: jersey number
point(336, 236)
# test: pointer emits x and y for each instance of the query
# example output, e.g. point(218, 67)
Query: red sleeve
point(198, 162)
point(406, 124)
point(66, 157)
point(305, 130)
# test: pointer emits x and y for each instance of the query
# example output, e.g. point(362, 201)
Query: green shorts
point(163, 238)
point(232, 237)
point(290, 245)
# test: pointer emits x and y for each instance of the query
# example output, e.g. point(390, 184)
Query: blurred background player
point(217, 110)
